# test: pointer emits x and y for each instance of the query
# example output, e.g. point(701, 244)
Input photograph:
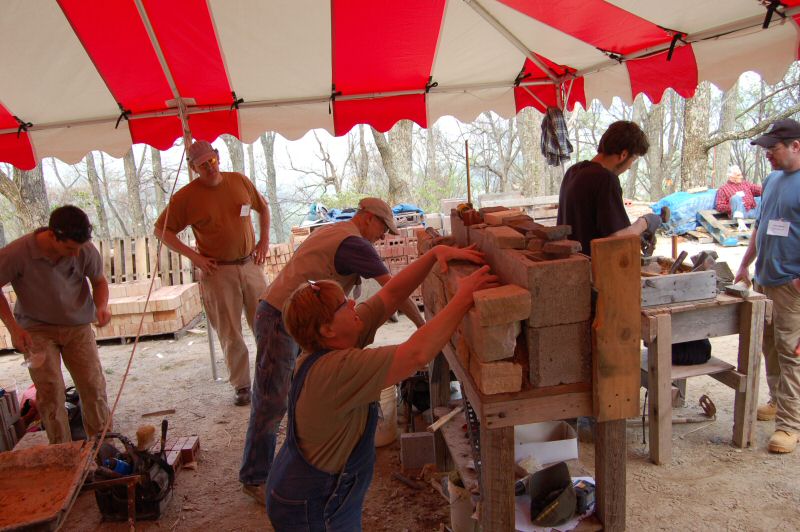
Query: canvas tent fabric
point(81, 75)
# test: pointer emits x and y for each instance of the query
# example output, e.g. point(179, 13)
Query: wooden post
point(439, 375)
point(616, 331)
point(497, 479)
point(674, 246)
point(751, 330)
point(141, 258)
point(609, 457)
point(127, 250)
point(659, 390)
point(118, 261)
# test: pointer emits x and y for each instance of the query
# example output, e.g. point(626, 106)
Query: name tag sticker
point(778, 228)
point(245, 211)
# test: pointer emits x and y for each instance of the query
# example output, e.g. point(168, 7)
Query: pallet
point(724, 230)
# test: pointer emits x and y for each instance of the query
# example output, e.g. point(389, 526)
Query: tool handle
point(164, 425)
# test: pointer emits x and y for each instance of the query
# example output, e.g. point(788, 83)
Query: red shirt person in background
point(737, 197)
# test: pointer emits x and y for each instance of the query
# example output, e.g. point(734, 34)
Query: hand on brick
point(477, 280)
point(448, 253)
point(742, 275)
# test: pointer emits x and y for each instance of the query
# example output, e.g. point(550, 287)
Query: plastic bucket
point(386, 432)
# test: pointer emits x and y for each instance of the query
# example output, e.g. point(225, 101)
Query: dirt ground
point(709, 485)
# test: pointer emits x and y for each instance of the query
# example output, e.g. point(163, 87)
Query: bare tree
point(159, 181)
point(235, 151)
point(133, 184)
point(27, 192)
point(109, 201)
point(97, 196)
point(694, 158)
point(277, 220)
point(396, 157)
point(727, 122)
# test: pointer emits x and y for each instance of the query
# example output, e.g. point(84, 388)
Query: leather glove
point(653, 223)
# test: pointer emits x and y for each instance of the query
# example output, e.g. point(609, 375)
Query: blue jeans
point(276, 353)
point(737, 204)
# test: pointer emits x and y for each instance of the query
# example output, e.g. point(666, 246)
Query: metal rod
point(510, 37)
point(469, 187)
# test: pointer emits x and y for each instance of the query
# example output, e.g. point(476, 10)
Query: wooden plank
point(140, 251)
point(105, 248)
point(119, 276)
point(659, 386)
point(616, 329)
point(459, 451)
point(701, 237)
point(127, 251)
point(708, 322)
point(497, 479)
point(732, 379)
point(751, 319)
point(610, 468)
point(666, 289)
point(714, 365)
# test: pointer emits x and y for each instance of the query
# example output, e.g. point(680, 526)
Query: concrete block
point(491, 343)
point(505, 237)
point(560, 289)
point(416, 450)
point(561, 354)
point(458, 229)
point(558, 232)
point(496, 377)
point(562, 247)
point(503, 304)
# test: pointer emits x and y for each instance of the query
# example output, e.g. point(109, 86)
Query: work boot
point(256, 492)
point(242, 396)
point(783, 441)
point(767, 412)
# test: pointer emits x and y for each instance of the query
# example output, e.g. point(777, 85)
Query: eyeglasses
point(211, 162)
point(314, 285)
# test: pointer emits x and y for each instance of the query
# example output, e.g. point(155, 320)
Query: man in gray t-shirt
point(51, 270)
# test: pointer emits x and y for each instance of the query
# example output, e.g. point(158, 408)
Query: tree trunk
point(655, 157)
point(134, 186)
point(251, 159)
point(396, 158)
point(33, 195)
point(362, 161)
point(236, 152)
point(727, 122)
point(694, 158)
point(276, 220)
point(159, 183)
point(97, 196)
point(2, 235)
point(431, 164)
point(639, 116)
point(530, 124)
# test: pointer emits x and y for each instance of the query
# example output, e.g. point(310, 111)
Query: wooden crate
point(686, 285)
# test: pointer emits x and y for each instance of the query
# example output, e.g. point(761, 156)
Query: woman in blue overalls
point(321, 474)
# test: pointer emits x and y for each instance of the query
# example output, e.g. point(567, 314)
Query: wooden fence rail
point(135, 258)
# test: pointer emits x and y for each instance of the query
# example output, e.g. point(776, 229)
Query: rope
point(98, 439)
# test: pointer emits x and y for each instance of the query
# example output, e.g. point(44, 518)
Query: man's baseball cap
point(200, 152)
point(381, 209)
point(786, 129)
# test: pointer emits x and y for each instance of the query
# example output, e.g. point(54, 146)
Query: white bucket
point(386, 432)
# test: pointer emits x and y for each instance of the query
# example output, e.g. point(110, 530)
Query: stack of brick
point(542, 262)
point(279, 256)
point(397, 251)
point(298, 235)
point(179, 451)
point(170, 309)
point(11, 426)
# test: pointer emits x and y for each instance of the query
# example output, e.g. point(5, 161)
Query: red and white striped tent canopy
point(72, 68)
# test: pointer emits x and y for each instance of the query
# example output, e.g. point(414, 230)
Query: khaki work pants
point(75, 345)
point(228, 291)
point(782, 365)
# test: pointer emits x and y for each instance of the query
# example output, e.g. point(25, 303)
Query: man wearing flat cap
point(342, 252)
point(775, 246)
point(217, 206)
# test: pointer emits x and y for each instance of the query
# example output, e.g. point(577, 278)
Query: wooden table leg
point(609, 456)
point(439, 375)
point(497, 479)
point(659, 406)
point(751, 331)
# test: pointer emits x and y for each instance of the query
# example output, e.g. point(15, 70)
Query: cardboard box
point(546, 443)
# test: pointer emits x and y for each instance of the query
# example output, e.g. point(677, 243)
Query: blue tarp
point(339, 215)
point(683, 208)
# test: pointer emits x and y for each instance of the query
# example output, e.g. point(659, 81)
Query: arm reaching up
point(429, 339)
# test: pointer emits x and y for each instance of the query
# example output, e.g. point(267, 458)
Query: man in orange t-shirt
point(217, 206)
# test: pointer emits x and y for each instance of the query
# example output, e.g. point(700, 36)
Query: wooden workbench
point(663, 326)
point(611, 397)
